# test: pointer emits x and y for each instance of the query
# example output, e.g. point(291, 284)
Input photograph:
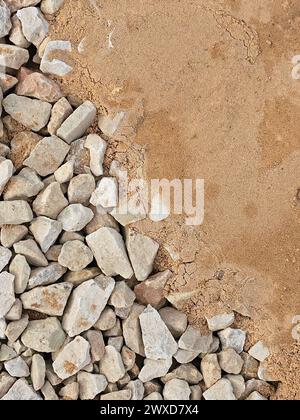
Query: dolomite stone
point(7, 293)
point(128, 357)
point(64, 173)
point(81, 188)
point(20, 269)
point(196, 393)
point(75, 256)
point(158, 341)
point(53, 253)
point(37, 85)
point(6, 172)
point(151, 291)
point(46, 275)
point(79, 277)
point(78, 122)
point(47, 156)
point(95, 338)
point(2, 329)
point(232, 338)
point(185, 356)
point(238, 384)
point(111, 365)
point(38, 372)
point(230, 361)
point(80, 157)
point(86, 305)
point(142, 252)
point(122, 296)
point(97, 148)
point(70, 392)
point(21, 391)
point(51, 6)
point(13, 56)
point(109, 124)
point(7, 353)
point(15, 312)
point(109, 250)
point(124, 395)
point(193, 340)
point(187, 372)
point(107, 320)
point(10, 234)
point(132, 331)
point(55, 66)
point(45, 231)
point(31, 252)
point(17, 368)
point(259, 351)
point(35, 27)
point(106, 195)
point(5, 256)
point(72, 358)
point(75, 217)
point(122, 313)
point(44, 336)
point(16, 35)
point(221, 391)
point(31, 113)
point(7, 82)
point(154, 396)
point(22, 145)
point(175, 320)
point(50, 202)
point(6, 382)
point(256, 396)
point(16, 328)
point(220, 322)
point(90, 385)
point(153, 369)
point(60, 112)
point(5, 23)
point(176, 390)
point(250, 367)
point(49, 300)
point(134, 213)
point(137, 390)
point(71, 236)
point(116, 342)
point(15, 212)
point(23, 186)
point(101, 219)
point(49, 392)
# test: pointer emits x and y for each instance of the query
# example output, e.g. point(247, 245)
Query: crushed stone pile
point(82, 313)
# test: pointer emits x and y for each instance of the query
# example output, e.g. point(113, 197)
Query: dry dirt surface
point(209, 89)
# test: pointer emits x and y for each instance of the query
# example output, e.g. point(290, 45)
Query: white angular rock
point(17, 368)
point(238, 384)
point(21, 391)
point(75, 126)
point(52, 65)
point(211, 370)
point(51, 6)
point(7, 82)
point(47, 275)
point(15, 312)
point(31, 113)
point(5, 23)
point(154, 396)
point(230, 361)
point(122, 296)
point(72, 358)
point(90, 385)
point(193, 340)
point(220, 322)
point(132, 331)
point(175, 320)
point(16, 35)
point(49, 392)
point(10, 234)
point(70, 392)
point(7, 353)
point(2, 329)
point(16, 328)
point(6, 172)
point(75, 256)
point(49, 300)
point(86, 304)
point(185, 356)
point(38, 371)
point(75, 217)
point(7, 293)
point(106, 194)
point(81, 188)
point(221, 391)
point(177, 390)
point(232, 339)
point(25, 185)
point(20, 268)
point(45, 231)
point(109, 250)
point(35, 26)
point(5, 256)
point(259, 351)
point(13, 56)
point(64, 173)
point(137, 390)
point(60, 112)
point(15, 212)
point(47, 156)
point(97, 147)
point(31, 252)
point(153, 369)
point(111, 365)
point(44, 336)
point(50, 202)
point(6, 382)
point(158, 341)
point(256, 396)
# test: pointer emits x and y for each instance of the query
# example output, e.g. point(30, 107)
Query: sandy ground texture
point(208, 90)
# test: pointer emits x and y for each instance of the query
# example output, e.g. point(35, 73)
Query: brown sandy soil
point(209, 93)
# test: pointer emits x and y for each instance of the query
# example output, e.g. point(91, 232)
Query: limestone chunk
point(154, 396)
point(233, 338)
point(122, 296)
point(75, 256)
point(95, 338)
point(22, 145)
point(49, 392)
point(37, 85)
point(132, 331)
point(49, 300)
point(193, 340)
point(6, 172)
point(175, 320)
point(7, 82)
point(25, 185)
point(16, 328)
point(44, 336)
point(70, 392)
point(45, 231)
point(60, 112)
point(5, 256)
point(50, 202)
point(111, 365)
point(16, 35)
point(79, 277)
point(15, 312)
point(91, 385)
point(107, 320)
point(79, 156)
point(64, 173)
point(109, 250)
point(56, 66)
point(86, 305)
point(7, 293)
point(17, 367)
point(153, 369)
point(72, 358)
point(35, 26)
point(13, 56)
point(31, 252)
point(238, 384)
point(176, 389)
point(80, 188)
point(6, 382)
point(7, 353)
point(107, 194)
point(256, 396)
point(38, 371)
point(109, 124)
point(46, 275)
point(31, 113)
point(75, 217)
point(151, 291)
point(11, 234)
point(211, 370)
point(230, 361)
point(185, 356)
point(78, 122)
point(21, 391)
point(97, 147)
point(20, 268)
point(5, 23)
point(221, 391)
point(220, 322)
point(101, 219)
point(259, 351)
point(51, 6)
point(15, 212)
